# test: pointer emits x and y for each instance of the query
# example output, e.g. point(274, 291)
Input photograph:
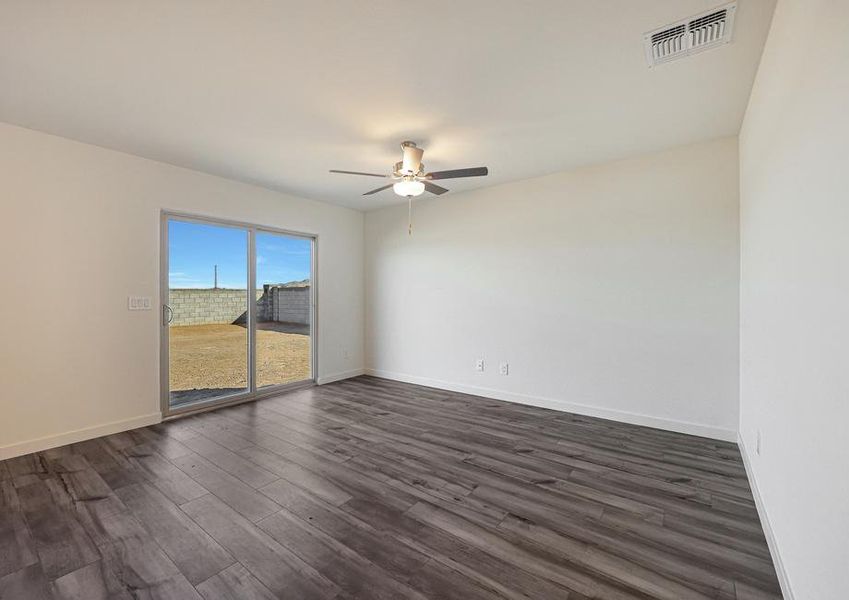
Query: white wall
point(794, 154)
point(611, 290)
point(80, 232)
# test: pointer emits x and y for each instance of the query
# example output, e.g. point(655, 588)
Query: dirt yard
point(214, 357)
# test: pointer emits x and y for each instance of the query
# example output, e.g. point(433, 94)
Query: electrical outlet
point(479, 365)
point(504, 368)
point(345, 354)
point(138, 303)
point(758, 443)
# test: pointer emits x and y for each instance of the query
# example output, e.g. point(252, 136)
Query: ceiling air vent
point(701, 32)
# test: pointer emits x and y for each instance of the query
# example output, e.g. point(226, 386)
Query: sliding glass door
point(283, 315)
point(207, 306)
point(237, 311)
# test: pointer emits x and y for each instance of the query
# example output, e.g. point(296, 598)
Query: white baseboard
point(708, 431)
point(78, 435)
point(340, 376)
point(783, 580)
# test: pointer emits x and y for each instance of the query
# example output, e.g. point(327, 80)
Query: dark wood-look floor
point(371, 489)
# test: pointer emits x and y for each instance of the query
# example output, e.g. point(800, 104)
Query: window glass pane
point(283, 309)
point(208, 299)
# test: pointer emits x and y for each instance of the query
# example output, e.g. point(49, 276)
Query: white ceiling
point(278, 92)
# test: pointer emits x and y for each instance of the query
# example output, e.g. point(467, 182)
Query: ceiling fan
point(409, 176)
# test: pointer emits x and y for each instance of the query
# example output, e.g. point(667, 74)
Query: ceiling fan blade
point(358, 173)
point(455, 173)
point(380, 189)
point(433, 188)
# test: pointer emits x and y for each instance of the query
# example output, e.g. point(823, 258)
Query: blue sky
point(195, 248)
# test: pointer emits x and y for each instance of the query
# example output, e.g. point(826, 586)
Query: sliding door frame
point(252, 392)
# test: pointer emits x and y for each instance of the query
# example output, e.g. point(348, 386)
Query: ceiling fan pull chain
point(409, 215)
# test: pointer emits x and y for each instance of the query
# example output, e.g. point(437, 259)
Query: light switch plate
point(138, 303)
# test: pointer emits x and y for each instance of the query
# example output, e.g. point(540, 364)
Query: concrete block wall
point(209, 306)
point(291, 305)
point(220, 306)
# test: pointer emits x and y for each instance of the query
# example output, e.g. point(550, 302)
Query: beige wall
point(794, 156)
point(610, 290)
point(80, 232)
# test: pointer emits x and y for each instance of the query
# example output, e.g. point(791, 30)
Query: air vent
point(698, 33)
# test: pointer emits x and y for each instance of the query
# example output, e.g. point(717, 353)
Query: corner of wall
point(781, 572)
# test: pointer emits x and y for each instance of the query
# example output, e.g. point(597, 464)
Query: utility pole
point(215, 286)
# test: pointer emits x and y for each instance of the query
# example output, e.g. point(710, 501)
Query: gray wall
point(210, 306)
point(289, 305)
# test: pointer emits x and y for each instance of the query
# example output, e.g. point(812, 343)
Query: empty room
point(471, 300)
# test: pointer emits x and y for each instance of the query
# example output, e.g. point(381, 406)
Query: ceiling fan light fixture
point(410, 177)
point(408, 187)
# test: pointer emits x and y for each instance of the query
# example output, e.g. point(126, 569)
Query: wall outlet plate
point(504, 368)
point(479, 364)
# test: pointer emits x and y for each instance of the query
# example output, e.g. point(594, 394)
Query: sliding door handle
point(167, 314)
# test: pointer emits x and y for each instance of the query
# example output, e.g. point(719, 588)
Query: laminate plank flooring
point(373, 489)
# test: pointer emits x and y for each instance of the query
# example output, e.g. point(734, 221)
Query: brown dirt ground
point(215, 356)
